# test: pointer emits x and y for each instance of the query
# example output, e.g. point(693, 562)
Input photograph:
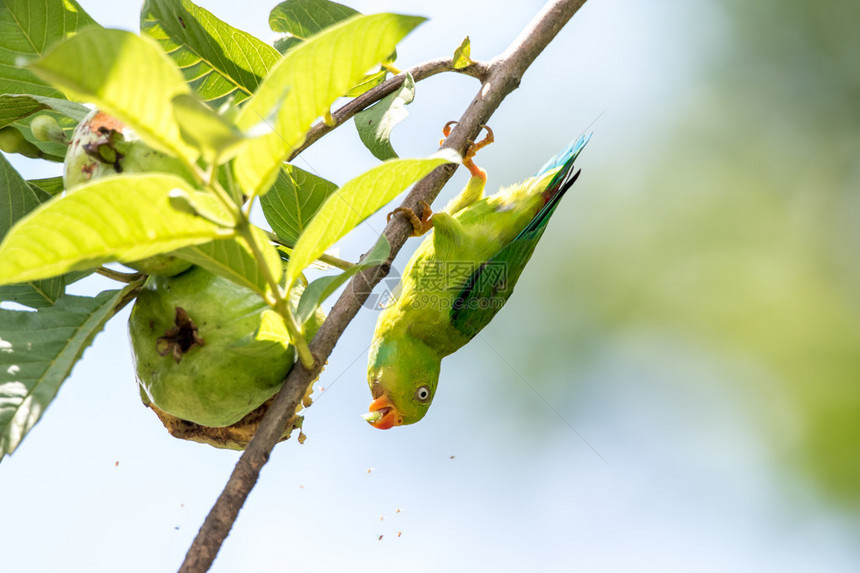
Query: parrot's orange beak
point(383, 414)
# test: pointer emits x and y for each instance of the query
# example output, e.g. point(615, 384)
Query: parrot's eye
point(422, 394)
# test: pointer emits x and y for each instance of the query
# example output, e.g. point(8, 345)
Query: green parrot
point(457, 280)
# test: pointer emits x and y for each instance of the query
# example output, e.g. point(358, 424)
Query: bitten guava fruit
point(198, 356)
point(233, 437)
point(102, 145)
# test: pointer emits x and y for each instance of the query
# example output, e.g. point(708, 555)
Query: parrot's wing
point(487, 290)
point(489, 287)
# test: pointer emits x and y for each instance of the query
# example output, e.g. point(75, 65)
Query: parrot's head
point(402, 374)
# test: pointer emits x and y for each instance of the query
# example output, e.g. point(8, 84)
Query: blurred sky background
point(674, 387)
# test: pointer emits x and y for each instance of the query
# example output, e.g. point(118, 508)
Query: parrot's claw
point(420, 225)
point(474, 147)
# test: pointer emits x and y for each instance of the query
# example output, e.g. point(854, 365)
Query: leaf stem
point(391, 68)
point(279, 297)
point(127, 278)
point(324, 258)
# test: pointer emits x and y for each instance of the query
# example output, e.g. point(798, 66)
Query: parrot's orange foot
point(474, 147)
point(420, 225)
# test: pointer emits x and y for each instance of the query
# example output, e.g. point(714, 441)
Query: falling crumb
point(116, 464)
point(301, 486)
point(399, 533)
point(181, 505)
point(370, 470)
point(380, 538)
point(322, 389)
point(451, 458)
point(302, 437)
point(381, 517)
point(397, 510)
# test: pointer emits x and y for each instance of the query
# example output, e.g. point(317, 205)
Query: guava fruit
point(233, 437)
point(102, 145)
point(198, 358)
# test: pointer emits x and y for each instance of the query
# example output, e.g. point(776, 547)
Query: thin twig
point(420, 72)
point(504, 75)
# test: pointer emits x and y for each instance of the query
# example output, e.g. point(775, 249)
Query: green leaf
point(462, 55)
point(35, 294)
point(357, 200)
point(16, 196)
point(218, 60)
point(375, 123)
point(16, 107)
point(37, 353)
point(293, 200)
point(301, 19)
point(217, 139)
point(42, 195)
point(123, 217)
point(27, 29)
point(18, 199)
point(322, 288)
point(316, 73)
point(234, 260)
point(50, 185)
point(126, 76)
point(367, 82)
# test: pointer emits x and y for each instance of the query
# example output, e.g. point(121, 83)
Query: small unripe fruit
point(13, 141)
point(46, 128)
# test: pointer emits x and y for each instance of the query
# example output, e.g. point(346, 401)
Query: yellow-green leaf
point(354, 202)
point(217, 138)
point(304, 84)
point(233, 259)
point(125, 75)
point(124, 218)
point(462, 55)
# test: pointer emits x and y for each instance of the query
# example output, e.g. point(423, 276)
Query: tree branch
point(503, 76)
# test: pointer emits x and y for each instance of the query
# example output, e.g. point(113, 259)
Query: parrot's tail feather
point(568, 154)
point(558, 186)
point(538, 223)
